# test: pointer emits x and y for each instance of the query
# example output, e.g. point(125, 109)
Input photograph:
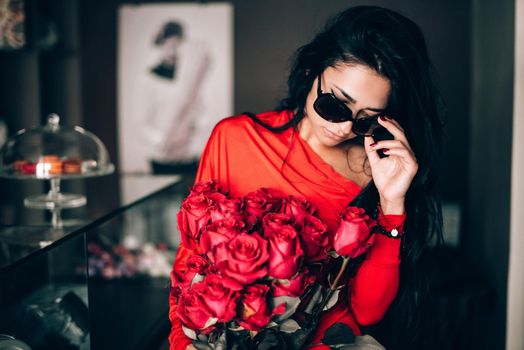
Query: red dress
point(244, 156)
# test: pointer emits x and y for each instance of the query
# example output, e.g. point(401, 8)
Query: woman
point(367, 71)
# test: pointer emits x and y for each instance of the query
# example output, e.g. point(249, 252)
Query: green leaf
point(289, 326)
point(189, 332)
point(338, 335)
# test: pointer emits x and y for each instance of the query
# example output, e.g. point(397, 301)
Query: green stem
point(340, 273)
point(333, 287)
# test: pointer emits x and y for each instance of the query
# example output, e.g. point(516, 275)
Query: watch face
point(394, 232)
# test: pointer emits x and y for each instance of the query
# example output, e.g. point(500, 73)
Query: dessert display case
point(54, 152)
point(101, 285)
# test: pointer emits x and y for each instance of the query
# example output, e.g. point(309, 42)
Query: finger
point(395, 122)
point(371, 153)
point(403, 153)
point(390, 144)
point(393, 127)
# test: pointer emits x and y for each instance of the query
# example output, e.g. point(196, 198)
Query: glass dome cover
point(54, 151)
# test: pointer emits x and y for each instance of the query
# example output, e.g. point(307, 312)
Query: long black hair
point(394, 47)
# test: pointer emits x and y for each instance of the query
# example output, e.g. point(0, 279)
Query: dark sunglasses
point(335, 111)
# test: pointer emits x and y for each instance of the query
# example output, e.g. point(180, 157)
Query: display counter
point(102, 280)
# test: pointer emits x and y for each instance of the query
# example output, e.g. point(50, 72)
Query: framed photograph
point(175, 82)
point(12, 24)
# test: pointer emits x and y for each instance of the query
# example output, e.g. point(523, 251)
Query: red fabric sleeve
point(376, 283)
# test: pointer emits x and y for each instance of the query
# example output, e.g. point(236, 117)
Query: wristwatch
point(394, 233)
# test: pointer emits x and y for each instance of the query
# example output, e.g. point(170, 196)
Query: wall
point(487, 240)
point(515, 317)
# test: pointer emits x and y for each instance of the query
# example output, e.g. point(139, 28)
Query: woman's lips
point(333, 136)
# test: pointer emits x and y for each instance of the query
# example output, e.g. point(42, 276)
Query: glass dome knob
point(53, 121)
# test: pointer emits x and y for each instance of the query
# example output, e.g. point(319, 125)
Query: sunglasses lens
point(331, 109)
point(365, 126)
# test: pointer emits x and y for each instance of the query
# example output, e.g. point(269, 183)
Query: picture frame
point(174, 82)
point(13, 25)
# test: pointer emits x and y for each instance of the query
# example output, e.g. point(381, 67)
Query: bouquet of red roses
point(256, 264)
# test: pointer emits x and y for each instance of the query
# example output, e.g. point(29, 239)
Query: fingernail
point(385, 150)
point(373, 144)
point(383, 118)
point(388, 117)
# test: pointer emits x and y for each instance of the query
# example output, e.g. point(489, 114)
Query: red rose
point(285, 252)
point(255, 311)
point(314, 238)
point(220, 296)
point(213, 269)
point(176, 288)
point(223, 207)
point(206, 187)
point(353, 236)
point(273, 222)
point(297, 208)
point(258, 203)
point(244, 259)
point(193, 216)
point(193, 312)
point(294, 287)
point(175, 291)
point(218, 232)
point(181, 278)
point(197, 264)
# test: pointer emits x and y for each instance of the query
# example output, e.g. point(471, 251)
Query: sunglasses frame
point(349, 114)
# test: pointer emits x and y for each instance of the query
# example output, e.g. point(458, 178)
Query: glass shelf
point(102, 283)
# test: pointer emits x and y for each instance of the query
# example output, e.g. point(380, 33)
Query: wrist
point(390, 225)
point(395, 207)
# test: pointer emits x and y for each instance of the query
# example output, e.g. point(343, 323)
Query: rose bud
point(285, 252)
point(353, 236)
point(314, 238)
point(193, 215)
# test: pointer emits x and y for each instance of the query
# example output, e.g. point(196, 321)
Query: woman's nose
point(345, 127)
